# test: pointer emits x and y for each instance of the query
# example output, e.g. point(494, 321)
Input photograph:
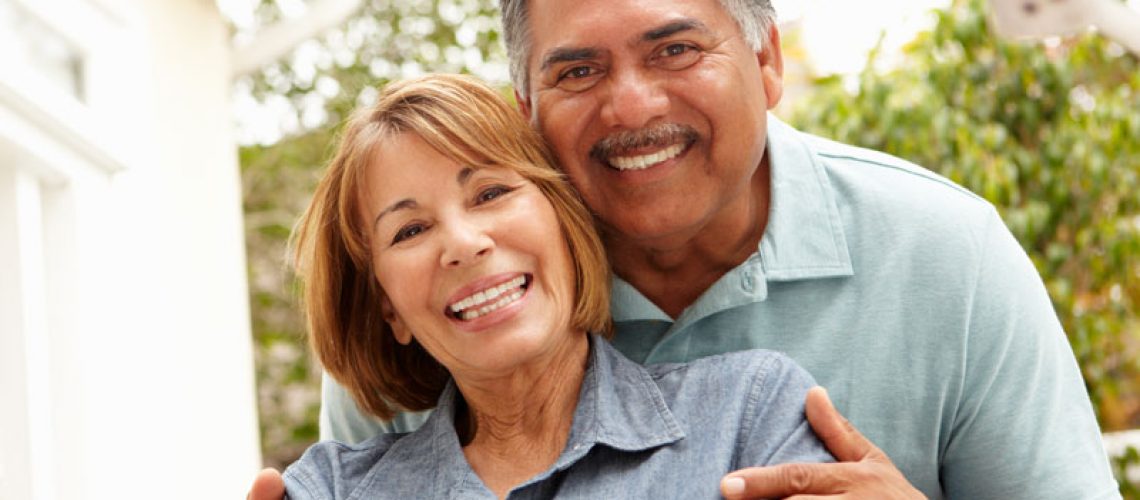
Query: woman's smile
point(490, 299)
point(479, 268)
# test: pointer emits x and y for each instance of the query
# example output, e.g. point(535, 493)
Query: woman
point(447, 264)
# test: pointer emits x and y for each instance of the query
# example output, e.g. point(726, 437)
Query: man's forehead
point(572, 52)
point(575, 50)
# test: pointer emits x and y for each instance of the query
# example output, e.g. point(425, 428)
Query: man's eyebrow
point(672, 28)
point(566, 54)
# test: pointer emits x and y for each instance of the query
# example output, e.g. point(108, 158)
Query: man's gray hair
point(755, 18)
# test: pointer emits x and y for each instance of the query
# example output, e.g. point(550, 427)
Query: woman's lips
point(489, 299)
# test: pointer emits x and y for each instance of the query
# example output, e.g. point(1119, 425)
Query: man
point(903, 294)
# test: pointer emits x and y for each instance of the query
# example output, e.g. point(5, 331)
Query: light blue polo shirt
point(909, 300)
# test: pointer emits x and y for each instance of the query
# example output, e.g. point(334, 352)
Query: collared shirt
point(909, 300)
point(667, 431)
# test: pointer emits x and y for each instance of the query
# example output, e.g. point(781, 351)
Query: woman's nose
point(465, 243)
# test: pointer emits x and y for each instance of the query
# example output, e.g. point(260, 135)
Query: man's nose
point(465, 243)
point(634, 100)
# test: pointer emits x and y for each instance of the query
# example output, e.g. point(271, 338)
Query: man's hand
point(268, 485)
point(863, 471)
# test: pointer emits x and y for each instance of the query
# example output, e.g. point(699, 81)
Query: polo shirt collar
point(804, 238)
point(619, 406)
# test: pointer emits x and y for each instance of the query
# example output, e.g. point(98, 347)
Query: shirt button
point(746, 281)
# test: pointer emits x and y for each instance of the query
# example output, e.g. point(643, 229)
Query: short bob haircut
point(465, 121)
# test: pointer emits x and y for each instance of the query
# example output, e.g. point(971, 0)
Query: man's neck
point(674, 271)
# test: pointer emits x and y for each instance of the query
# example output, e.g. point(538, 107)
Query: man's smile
point(643, 161)
point(643, 148)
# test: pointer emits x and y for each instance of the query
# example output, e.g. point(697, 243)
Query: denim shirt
point(663, 431)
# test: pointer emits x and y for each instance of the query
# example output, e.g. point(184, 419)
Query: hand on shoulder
point(863, 470)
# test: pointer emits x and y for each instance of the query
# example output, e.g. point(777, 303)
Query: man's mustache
point(662, 135)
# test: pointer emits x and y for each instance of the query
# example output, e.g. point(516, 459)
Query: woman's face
point(472, 261)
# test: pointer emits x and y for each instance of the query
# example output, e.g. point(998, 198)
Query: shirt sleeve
point(775, 428)
point(1024, 427)
point(341, 420)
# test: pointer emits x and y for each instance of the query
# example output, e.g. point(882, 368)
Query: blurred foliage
point(1126, 465)
point(318, 86)
point(1050, 134)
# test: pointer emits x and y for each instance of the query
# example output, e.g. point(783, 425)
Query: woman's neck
point(516, 426)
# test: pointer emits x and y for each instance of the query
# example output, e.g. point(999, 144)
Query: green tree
point(1050, 134)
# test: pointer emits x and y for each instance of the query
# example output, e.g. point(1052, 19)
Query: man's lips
point(642, 148)
point(643, 161)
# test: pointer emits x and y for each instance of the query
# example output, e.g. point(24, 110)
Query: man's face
point(655, 108)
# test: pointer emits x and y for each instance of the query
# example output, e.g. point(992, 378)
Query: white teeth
point(475, 313)
point(485, 301)
point(643, 161)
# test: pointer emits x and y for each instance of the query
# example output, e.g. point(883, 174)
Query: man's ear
point(771, 61)
point(399, 330)
point(524, 105)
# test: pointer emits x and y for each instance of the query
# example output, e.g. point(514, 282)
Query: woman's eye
point(409, 231)
point(491, 193)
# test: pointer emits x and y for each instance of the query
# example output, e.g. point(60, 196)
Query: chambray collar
point(804, 238)
point(619, 406)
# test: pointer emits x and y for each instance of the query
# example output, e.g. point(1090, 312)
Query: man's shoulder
point(875, 169)
point(887, 196)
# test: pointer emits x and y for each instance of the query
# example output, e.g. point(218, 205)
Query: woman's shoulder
point(732, 368)
point(743, 382)
point(333, 469)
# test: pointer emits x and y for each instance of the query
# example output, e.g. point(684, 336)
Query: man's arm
point(341, 420)
point(1023, 426)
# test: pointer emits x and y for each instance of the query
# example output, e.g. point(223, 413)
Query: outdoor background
point(1048, 132)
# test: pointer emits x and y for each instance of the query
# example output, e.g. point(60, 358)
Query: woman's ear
point(399, 329)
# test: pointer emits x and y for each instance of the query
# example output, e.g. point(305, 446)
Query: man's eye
point(578, 78)
point(408, 231)
point(675, 49)
point(677, 56)
point(576, 72)
point(491, 193)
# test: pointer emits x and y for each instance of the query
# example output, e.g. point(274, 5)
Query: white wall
point(125, 358)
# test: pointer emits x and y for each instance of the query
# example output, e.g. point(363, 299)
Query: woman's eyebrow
point(404, 204)
point(409, 203)
point(463, 175)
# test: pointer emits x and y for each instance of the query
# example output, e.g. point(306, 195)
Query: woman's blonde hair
point(468, 122)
